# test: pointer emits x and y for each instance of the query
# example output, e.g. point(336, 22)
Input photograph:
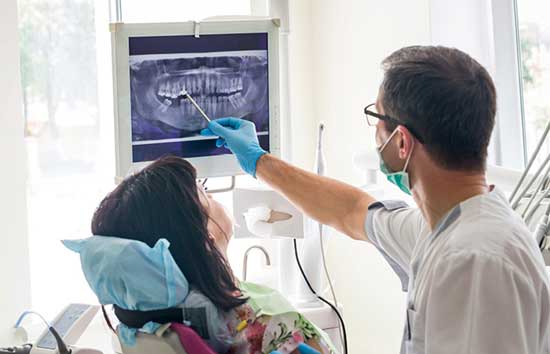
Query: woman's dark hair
point(162, 201)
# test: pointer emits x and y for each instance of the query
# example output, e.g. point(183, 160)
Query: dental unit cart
point(70, 324)
point(61, 334)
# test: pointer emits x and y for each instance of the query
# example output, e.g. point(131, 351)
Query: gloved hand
point(303, 349)
point(240, 137)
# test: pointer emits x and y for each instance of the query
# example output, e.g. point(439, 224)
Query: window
point(69, 140)
point(522, 75)
point(534, 47)
point(67, 90)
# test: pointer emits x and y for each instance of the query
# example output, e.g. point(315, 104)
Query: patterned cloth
point(265, 334)
point(267, 322)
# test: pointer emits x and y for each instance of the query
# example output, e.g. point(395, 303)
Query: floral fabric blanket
point(267, 322)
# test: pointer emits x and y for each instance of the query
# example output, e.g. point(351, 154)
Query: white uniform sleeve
point(478, 303)
point(393, 228)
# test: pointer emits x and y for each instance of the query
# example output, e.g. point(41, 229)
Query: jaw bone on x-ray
point(223, 86)
point(226, 74)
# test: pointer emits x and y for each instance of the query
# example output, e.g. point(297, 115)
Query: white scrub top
point(476, 284)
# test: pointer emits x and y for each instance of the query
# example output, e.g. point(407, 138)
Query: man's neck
point(442, 190)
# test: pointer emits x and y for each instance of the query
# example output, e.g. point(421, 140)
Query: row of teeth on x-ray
point(203, 86)
point(213, 105)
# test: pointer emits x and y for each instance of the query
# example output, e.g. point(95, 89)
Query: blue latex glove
point(303, 349)
point(239, 136)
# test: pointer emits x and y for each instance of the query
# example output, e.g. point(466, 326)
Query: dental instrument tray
point(230, 68)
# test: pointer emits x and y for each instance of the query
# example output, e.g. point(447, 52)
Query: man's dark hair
point(448, 99)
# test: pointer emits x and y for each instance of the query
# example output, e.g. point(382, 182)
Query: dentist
point(475, 278)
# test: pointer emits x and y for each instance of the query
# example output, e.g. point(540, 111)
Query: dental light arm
point(530, 193)
point(539, 192)
point(530, 164)
point(515, 202)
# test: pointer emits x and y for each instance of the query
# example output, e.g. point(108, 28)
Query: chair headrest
point(131, 275)
point(137, 319)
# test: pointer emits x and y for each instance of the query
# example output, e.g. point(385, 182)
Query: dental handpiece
point(186, 94)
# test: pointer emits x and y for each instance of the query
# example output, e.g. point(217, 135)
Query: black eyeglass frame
point(390, 120)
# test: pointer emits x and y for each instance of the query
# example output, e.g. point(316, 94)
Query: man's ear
point(405, 142)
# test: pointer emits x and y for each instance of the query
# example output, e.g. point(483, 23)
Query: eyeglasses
point(373, 117)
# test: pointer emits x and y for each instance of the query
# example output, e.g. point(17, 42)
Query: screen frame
point(208, 166)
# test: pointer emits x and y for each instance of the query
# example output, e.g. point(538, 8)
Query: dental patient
point(173, 236)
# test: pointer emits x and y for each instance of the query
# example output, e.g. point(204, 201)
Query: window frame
point(510, 143)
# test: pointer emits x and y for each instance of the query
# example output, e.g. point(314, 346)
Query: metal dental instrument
point(518, 195)
point(186, 94)
point(533, 158)
point(530, 193)
point(539, 188)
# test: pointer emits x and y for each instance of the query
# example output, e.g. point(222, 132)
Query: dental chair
point(164, 341)
point(167, 343)
point(134, 275)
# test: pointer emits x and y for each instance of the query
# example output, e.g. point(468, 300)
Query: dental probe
point(186, 94)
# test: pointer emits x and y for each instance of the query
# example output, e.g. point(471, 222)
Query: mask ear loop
point(387, 141)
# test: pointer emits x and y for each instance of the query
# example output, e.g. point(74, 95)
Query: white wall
point(349, 39)
point(468, 27)
point(301, 78)
point(14, 267)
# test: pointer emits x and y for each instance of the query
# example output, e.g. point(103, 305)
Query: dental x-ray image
point(227, 75)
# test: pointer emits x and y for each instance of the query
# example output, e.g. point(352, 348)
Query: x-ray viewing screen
point(226, 74)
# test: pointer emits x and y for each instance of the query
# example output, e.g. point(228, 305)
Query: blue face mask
point(400, 179)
